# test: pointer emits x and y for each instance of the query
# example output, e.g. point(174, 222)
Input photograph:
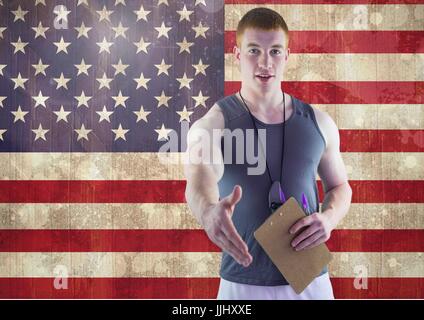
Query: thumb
point(234, 197)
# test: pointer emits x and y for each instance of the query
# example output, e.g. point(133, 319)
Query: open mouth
point(264, 78)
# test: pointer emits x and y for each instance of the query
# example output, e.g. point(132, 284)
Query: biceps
point(332, 170)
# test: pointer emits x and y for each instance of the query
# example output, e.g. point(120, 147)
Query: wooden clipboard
point(299, 268)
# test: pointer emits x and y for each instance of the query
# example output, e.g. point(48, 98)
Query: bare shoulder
point(213, 119)
point(327, 126)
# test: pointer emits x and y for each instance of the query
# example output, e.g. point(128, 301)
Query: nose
point(265, 61)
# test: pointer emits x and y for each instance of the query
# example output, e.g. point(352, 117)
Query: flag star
point(62, 81)
point(61, 12)
point(19, 114)
point(200, 2)
point(104, 14)
point(82, 132)
point(141, 45)
point(62, 114)
point(19, 14)
point(163, 31)
point(40, 133)
point(142, 81)
point(120, 100)
point(163, 68)
point(200, 99)
point(82, 99)
point(120, 2)
point(2, 131)
point(184, 81)
point(82, 30)
point(82, 67)
point(104, 45)
point(2, 66)
point(142, 115)
point(184, 115)
point(104, 81)
point(120, 133)
point(2, 29)
point(82, 2)
point(142, 14)
point(120, 30)
point(184, 14)
point(120, 68)
point(163, 132)
point(37, 2)
point(62, 45)
point(200, 67)
point(40, 31)
point(163, 99)
point(200, 30)
point(40, 100)
point(104, 114)
point(19, 46)
point(185, 46)
point(1, 101)
point(19, 81)
point(40, 67)
point(163, 2)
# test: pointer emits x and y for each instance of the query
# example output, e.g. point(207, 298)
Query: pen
point(282, 197)
point(305, 202)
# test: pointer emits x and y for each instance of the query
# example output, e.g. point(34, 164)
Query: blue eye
point(256, 50)
point(276, 51)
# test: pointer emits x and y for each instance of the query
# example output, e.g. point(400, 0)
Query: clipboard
point(299, 268)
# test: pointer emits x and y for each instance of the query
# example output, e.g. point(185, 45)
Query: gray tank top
point(304, 145)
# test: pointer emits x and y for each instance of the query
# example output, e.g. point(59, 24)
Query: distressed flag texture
point(90, 91)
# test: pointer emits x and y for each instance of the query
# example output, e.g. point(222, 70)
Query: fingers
point(311, 242)
point(231, 249)
point(305, 234)
point(234, 197)
point(232, 235)
point(301, 223)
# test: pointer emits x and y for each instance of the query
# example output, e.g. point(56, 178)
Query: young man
point(300, 141)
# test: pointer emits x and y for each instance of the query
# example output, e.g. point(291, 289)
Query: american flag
point(90, 90)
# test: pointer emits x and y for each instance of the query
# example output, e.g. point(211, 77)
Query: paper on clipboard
point(299, 268)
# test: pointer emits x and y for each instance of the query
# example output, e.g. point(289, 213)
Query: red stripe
point(360, 92)
point(381, 140)
point(323, 1)
point(91, 191)
point(348, 41)
point(187, 288)
point(189, 241)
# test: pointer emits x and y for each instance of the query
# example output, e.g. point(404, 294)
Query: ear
point(287, 54)
point(236, 52)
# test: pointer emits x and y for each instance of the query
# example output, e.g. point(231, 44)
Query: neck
point(263, 102)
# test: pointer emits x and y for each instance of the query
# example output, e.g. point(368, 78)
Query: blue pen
point(282, 197)
point(305, 203)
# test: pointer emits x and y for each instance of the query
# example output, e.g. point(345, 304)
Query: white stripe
point(344, 67)
point(325, 17)
point(188, 264)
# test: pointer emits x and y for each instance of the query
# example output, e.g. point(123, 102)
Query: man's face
point(262, 59)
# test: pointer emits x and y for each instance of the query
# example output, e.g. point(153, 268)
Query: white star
point(37, 2)
point(120, 100)
point(184, 115)
point(2, 98)
point(104, 114)
point(163, 31)
point(141, 45)
point(163, 132)
point(82, 132)
point(200, 2)
point(200, 30)
point(82, 2)
point(142, 81)
point(82, 30)
point(62, 81)
point(163, 99)
point(163, 1)
point(120, 31)
point(40, 31)
point(120, 2)
point(185, 46)
point(104, 81)
point(200, 99)
point(2, 131)
point(142, 115)
point(82, 99)
point(19, 14)
point(120, 133)
point(163, 68)
point(2, 29)
point(62, 114)
point(40, 100)
point(62, 46)
point(2, 66)
point(40, 67)
point(19, 114)
point(19, 46)
point(200, 67)
point(184, 81)
point(184, 14)
point(104, 14)
point(142, 14)
point(120, 68)
point(61, 12)
point(40, 133)
point(104, 45)
point(19, 81)
point(82, 67)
